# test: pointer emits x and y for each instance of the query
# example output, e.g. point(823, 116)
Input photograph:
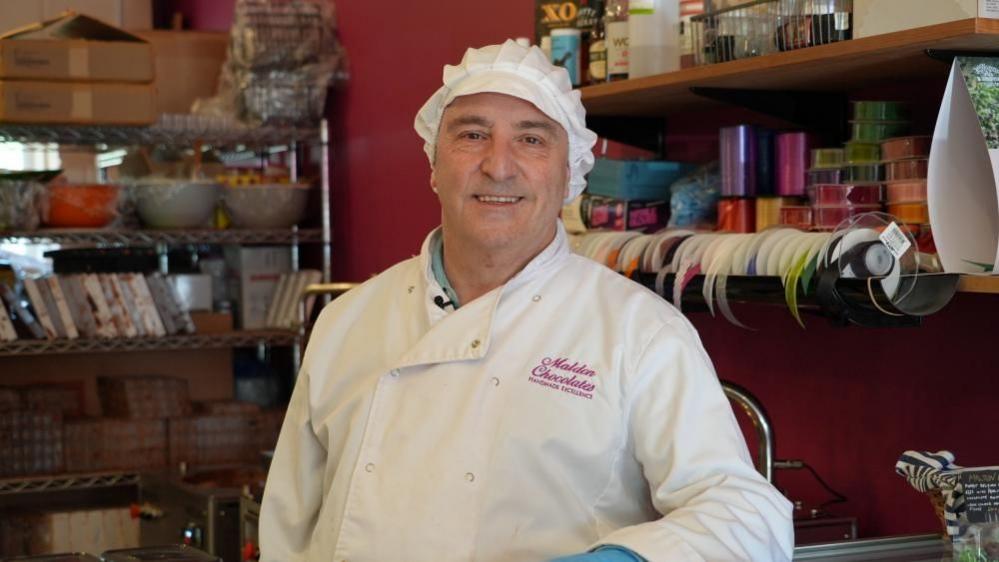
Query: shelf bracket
point(823, 113)
point(643, 132)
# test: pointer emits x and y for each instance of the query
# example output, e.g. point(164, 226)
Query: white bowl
point(176, 203)
point(266, 205)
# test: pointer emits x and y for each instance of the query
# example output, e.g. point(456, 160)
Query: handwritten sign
point(981, 492)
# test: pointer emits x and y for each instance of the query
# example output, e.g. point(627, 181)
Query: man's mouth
point(498, 199)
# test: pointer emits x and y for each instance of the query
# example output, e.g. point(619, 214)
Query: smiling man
point(500, 399)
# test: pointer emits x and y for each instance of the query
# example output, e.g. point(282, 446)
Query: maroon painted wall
point(847, 401)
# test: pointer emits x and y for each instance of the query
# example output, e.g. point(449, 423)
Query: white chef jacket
point(566, 409)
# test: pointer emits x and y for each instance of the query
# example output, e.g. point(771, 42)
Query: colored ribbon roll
point(913, 191)
point(792, 163)
point(768, 210)
point(738, 156)
point(736, 214)
point(906, 147)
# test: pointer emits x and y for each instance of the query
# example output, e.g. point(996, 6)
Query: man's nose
point(498, 162)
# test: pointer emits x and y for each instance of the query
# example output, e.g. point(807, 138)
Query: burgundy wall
point(847, 401)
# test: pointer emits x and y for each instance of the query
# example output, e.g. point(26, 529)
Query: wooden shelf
point(176, 342)
point(836, 67)
point(982, 284)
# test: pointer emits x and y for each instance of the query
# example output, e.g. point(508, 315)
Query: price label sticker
point(895, 240)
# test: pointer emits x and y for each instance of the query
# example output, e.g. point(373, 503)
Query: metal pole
point(327, 243)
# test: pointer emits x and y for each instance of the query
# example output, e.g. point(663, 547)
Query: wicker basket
point(144, 397)
point(214, 440)
point(65, 398)
point(114, 444)
point(31, 443)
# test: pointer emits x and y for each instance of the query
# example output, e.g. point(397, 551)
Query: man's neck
point(474, 271)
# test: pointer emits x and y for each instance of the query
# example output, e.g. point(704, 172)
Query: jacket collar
point(464, 334)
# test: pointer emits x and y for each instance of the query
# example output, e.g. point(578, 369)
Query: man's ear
point(433, 180)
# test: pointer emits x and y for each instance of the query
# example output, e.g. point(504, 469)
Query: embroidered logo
point(559, 373)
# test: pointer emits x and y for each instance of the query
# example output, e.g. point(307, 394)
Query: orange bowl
point(81, 205)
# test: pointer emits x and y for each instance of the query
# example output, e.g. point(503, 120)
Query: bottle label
point(641, 7)
point(598, 61)
point(565, 53)
point(617, 48)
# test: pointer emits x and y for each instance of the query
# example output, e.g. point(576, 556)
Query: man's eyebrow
point(544, 125)
point(464, 120)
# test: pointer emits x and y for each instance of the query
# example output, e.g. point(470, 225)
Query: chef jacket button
point(394, 372)
point(370, 467)
point(470, 477)
point(475, 343)
point(495, 381)
point(411, 288)
point(536, 298)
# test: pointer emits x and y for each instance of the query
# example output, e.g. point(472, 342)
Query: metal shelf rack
point(106, 237)
point(177, 342)
point(68, 490)
point(214, 134)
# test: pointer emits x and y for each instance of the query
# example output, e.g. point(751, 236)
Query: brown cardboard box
point(75, 47)
point(187, 66)
point(71, 531)
point(77, 102)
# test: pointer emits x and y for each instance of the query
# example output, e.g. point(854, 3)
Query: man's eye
point(472, 135)
point(533, 140)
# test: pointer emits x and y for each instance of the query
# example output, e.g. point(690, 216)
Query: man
point(499, 398)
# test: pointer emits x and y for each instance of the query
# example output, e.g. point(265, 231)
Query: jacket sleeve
point(293, 494)
point(716, 507)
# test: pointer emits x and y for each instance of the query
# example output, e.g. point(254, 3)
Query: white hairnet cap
point(521, 72)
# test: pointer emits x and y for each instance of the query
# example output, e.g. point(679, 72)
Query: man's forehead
point(489, 105)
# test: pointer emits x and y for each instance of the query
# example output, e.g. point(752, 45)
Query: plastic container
point(167, 203)
point(910, 213)
point(913, 191)
point(901, 148)
point(798, 216)
point(848, 194)
point(862, 173)
point(879, 111)
point(861, 152)
point(824, 175)
point(877, 131)
point(566, 45)
point(266, 206)
point(80, 205)
point(653, 37)
point(902, 170)
point(828, 218)
point(825, 158)
point(20, 203)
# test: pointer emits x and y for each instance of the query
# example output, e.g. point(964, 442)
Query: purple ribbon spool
point(792, 163)
point(737, 153)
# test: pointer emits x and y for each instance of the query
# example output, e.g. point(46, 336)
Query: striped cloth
point(928, 471)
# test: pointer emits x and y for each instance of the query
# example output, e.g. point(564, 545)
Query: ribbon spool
point(903, 170)
point(768, 210)
point(736, 215)
point(910, 213)
point(907, 192)
point(902, 148)
point(738, 159)
point(848, 194)
point(792, 162)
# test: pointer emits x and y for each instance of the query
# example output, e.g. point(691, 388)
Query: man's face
point(501, 173)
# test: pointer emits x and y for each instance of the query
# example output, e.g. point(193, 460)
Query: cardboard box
point(187, 66)
point(253, 274)
point(126, 14)
point(76, 102)
point(75, 47)
point(874, 17)
point(72, 531)
point(617, 214)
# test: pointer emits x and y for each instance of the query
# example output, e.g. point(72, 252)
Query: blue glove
point(607, 553)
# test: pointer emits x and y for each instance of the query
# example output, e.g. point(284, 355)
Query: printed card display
point(964, 166)
point(981, 494)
